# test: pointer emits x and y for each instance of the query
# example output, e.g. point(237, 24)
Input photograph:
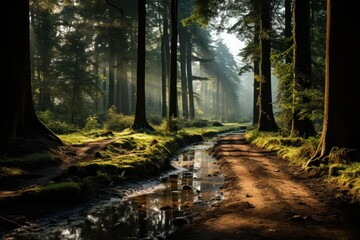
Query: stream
point(150, 210)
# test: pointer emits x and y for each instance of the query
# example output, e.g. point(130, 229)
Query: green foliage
point(55, 191)
point(92, 123)
point(5, 171)
point(338, 155)
point(58, 127)
point(174, 123)
point(346, 175)
point(337, 165)
point(197, 123)
point(155, 120)
point(117, 122)
point(30, 161)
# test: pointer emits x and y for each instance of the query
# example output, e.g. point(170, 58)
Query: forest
point(101, 93)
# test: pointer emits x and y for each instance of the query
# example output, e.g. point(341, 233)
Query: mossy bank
point(89, 165)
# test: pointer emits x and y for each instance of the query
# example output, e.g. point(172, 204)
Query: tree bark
point(189, 76)
point(140, 121)
point(164, 63)
point(111, 89)
point(256, 77)
point(288, 28)
point(301, 125)
point(19, 123)
point(184, 88)
point(341, 126)
point(173, 108)
point(266, 115)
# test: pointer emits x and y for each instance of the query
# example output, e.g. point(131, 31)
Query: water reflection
point(146, 216)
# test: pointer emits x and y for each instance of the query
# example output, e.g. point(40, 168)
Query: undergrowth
point(336, 166)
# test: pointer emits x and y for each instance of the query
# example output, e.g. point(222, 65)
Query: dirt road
point(266, 198)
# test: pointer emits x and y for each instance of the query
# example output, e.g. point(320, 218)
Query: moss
point(336, 165)
point(30, 161)
point(7, 172)
point(131, 155)
point(53, 192)
point(336, 169)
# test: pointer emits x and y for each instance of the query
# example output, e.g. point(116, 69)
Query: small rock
point(186, 187)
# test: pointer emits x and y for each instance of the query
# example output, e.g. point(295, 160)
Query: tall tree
point(173, 105)
point(111, 62)
point(341, 126)
point(19, 123)
point(256, 60)
point(140, 121)
point(165, 52)
point(301, 123)
point(182, 50)
point(288, 28)
point(266, 115)
point(190, 76)
point(44, 39)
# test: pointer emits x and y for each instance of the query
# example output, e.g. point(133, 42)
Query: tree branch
point(113, 5)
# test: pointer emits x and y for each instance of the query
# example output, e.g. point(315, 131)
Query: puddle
point(150, 213)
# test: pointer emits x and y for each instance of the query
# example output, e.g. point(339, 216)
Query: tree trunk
point(133, 86)
point(184, 93)
point(256, 77)
point(341, 126)
point(19, 123)
point(118, 86)
point(189, 76)
point(217, 115)
point(125, 105)
point(140, 121)
point(266, 115)
point(104, 90)
point(173, 111)
point(111, 90)
point(301, 125)
point(288, 28)
point(164, 63)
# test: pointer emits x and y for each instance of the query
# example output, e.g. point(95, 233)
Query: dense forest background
point(84, 61)
point(115, 64)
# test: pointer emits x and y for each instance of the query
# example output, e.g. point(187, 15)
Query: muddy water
point(150, 211)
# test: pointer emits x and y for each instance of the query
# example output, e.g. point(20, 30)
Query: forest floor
point(267, 198)
point(68, 154)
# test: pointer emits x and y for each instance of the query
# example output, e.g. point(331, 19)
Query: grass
point(336, 166)
point(131, 155)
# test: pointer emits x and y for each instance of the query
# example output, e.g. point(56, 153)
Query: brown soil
point(266, 198)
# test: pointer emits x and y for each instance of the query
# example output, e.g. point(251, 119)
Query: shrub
point(117, 122)
point(92, 123)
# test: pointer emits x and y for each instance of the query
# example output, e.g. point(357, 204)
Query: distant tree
point(122, 96)
point(165, 53)
point(183, 32)
point(341, 126)
point(173, 105)
point(111, 66)
point(140, 121)
point(19, 123)
point(189, 46)
point(74, 77)
point(44, 39)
